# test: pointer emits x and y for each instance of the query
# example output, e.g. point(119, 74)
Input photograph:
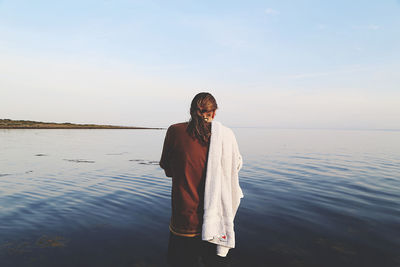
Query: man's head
point(202, 112)
point(203, 107)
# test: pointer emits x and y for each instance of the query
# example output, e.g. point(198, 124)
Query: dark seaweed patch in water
point(22, 247)
point(40, 155)
point(41, 251)
point(335, 246)
point(145, 162)
point(16, 248)
point(6, 174)
point(51, 242)
point(149, 163)
point(80, 160)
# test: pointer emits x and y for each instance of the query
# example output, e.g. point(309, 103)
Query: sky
point(274, 64)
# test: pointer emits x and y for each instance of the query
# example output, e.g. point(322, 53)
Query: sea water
point(99, 198)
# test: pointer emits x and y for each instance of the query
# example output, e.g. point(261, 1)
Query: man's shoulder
point(226, 130)
point(178, 127)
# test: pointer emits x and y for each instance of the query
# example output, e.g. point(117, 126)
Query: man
point(185, 158)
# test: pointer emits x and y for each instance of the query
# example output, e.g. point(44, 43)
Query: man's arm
point(166, 153)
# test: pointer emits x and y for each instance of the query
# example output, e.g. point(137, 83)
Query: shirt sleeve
point(166, 153)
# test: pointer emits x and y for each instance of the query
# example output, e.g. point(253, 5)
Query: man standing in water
point(185, 157)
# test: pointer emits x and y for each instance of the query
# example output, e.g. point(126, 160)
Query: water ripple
point(308, 202)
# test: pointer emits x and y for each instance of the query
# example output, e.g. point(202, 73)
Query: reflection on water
point(312, 198)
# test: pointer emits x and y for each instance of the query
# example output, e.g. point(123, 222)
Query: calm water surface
point(99, 198)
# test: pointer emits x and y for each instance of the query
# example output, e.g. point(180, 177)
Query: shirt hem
point(183, 234)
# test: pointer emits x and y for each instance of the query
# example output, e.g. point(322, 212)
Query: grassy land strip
point(23, 124)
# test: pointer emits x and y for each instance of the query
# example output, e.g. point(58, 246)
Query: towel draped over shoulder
point(222, 190)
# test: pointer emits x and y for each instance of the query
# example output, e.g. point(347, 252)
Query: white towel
point(222, 191)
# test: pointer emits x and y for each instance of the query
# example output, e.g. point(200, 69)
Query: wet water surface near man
point(99, 198)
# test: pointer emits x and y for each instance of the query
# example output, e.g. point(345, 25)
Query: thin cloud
point(328, 73)
point(372, 27)
point(271, 11)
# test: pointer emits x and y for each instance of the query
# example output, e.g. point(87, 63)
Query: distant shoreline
point(25, 124)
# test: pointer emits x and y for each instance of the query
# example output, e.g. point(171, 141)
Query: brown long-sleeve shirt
point(184, 159)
